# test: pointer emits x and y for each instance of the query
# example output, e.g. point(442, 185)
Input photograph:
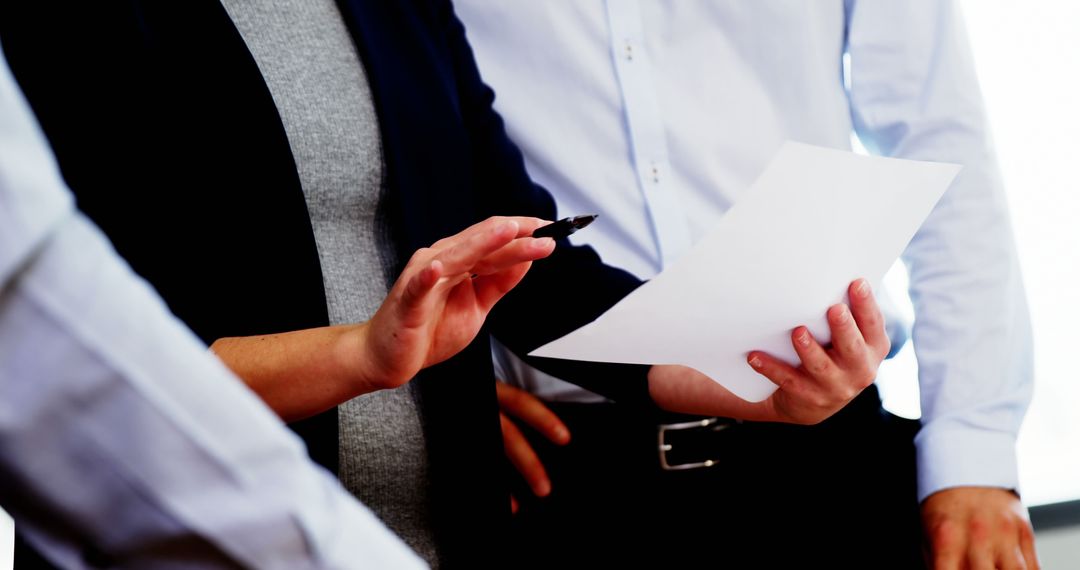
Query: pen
point(564, 227)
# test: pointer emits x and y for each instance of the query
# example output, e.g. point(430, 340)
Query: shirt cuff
point(954, 456)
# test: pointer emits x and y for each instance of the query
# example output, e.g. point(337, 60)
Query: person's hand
point(824, 382)
point(829, 378)
point(441, 299)
point(978, 528)
point(523, 406)
point(434, 310)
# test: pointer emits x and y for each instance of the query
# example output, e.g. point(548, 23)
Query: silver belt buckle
point(708, 423)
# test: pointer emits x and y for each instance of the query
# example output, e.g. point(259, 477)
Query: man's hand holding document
point(779, 292)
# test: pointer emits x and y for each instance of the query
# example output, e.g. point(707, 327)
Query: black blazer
point(168, 135)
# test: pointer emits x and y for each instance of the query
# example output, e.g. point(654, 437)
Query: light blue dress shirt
point(658, 115)
point(119, 433)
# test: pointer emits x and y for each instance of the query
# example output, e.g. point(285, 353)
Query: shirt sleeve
point(32, 197)
point(914, 95)
point(121, 438)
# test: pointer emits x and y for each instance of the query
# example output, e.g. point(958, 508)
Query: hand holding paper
point(828, 378)
point(814, 221)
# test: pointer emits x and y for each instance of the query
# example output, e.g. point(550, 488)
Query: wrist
point(355, 359)
point(224, 350)
point(684, 390)
point(971, 490)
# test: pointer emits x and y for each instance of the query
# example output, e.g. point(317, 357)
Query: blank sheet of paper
point(814, 221)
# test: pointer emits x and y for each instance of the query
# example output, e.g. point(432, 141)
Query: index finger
point(847, 339)
point(524, 458)
point(526, 226)
point(467, 253)
point(529, 409)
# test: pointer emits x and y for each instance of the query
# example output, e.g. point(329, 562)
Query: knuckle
point(850, 392)
point(822, 401)
point(484, 268)
point(872, 319)
point(513, 399)
point(878, 317)
point(866, 378)
point(944, 535)
point(818, 367)
point(1006, 524)
point(420, 254)
point(885, 348)
point(979, 529)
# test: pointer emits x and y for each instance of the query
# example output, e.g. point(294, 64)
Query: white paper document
point(813, 222)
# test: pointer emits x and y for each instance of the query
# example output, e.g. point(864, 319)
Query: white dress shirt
point(658, 115)
point(122, 441)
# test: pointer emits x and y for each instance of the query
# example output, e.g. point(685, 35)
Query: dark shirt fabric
point(170, 139)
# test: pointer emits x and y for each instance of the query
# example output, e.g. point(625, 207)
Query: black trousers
point(840, 494)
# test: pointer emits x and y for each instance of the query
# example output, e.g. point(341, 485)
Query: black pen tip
point(582, 221)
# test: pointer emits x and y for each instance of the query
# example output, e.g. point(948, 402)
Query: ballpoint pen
point(564, 227)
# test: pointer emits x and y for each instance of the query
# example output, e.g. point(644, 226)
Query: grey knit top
point(311, 66)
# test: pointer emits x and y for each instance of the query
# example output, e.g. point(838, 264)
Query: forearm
point(973, 341)
point(682, 390)
point(432, 312)
point(301, 373)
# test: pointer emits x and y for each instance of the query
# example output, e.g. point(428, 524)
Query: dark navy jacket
point(168, 135)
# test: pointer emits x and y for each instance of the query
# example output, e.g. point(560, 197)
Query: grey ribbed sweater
point(316, 78)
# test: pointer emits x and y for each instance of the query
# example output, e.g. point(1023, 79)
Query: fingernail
point(543, 489)
point(803, 338)
point(755, 362)
point(862, 288)
point(562, 435)
point(840, 316)
point(543, 243)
